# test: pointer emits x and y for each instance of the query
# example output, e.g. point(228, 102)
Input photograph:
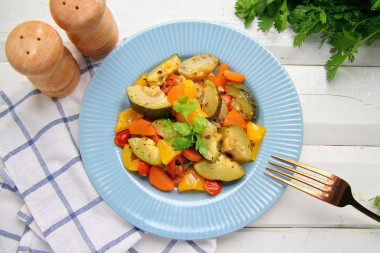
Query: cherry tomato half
point(176, 169)
point(227, 99)
point(143, 168)
point(121, 138)
point(213, 186)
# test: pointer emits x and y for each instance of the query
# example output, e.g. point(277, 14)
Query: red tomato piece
point(227, 99)
point(176, 169)
point(156, 137)
point(172, 80)
point(213, 186)
point(121, 138)
point(143, 168)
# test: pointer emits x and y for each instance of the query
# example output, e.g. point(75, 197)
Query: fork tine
point(302, 173)
point(308, 167)
point(299, 187)
point(300, 180)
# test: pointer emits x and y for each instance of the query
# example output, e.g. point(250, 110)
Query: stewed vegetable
point(188, 126)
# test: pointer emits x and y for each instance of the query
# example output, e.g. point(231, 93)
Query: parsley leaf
point(376, 200)
point(185, 106)
point(180, 143)
point(201, 146)
point(199, 124)
point(185, 134)
point(167, 123)
point(182, 128)
point(345, 25)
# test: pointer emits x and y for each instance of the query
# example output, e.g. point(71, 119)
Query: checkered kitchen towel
point(47, 201)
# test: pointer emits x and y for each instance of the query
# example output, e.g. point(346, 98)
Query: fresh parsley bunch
point(344, 24)
point(186, 134)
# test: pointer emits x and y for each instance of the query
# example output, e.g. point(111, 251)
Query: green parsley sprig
point(345, 25)
point(376, 200)
point(186, 134)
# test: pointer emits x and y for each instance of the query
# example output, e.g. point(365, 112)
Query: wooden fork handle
point(364, 210)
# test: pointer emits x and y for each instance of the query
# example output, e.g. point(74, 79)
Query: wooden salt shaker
point(36, 50)
point(89, 24)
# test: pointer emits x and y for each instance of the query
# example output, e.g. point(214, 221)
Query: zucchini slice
point(224, 169)
point(212, 101)
point(199, 66)
point(223, 112)
point(243, 101)
point(235, 142)
point(145, 149)
point(159, 74)
point(150, 101)
point(212, 138)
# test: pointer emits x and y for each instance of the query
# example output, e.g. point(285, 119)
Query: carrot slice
point(192, 154)
point(233, 76)
point(220, 80)
point(160, 179)
point(142, 127)
point(234, 118)
point(176, 92)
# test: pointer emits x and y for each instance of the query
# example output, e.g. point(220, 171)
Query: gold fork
point(335, 190)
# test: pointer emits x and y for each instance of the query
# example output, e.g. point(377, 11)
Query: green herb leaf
point(185, 106)
point(168, 125)
point(265, 23)
point(376, 5)
point(182, 128)
point(345, 25)
point(180, 143)
point(201, 146)
point(199, 124)
point(376, 200)
point(187, 133)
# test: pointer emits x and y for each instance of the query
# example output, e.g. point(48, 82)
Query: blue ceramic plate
point(188, 215)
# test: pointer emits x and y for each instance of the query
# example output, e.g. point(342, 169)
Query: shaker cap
point(33, 48)
point(76, 15)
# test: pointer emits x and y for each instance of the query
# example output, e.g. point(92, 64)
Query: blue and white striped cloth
point(48, 203)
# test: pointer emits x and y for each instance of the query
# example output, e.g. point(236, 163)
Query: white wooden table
point(341, 124)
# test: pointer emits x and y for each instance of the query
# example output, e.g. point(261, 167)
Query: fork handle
point(364, 210)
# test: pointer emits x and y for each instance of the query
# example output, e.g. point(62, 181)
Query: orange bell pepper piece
point(234, 118)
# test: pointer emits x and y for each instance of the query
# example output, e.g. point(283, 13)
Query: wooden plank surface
point(341, 124)
point(310, 240)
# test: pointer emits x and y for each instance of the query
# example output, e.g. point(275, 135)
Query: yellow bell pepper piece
point(255, 134)
point(192, 181)
point(126, 118)
point(167, 153)
point(190, 89)
point(130, 161)
point(142, 81)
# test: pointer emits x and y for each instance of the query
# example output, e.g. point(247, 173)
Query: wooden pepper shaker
point(89, 24)
point(35, 49)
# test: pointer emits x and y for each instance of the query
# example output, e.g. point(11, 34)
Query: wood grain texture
point(341, 124)
point(35, 49)
point(89, 25)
